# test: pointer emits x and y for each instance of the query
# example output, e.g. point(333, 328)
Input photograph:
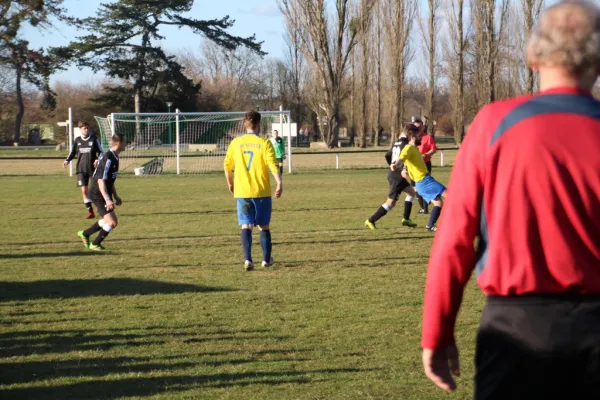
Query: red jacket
point(427, 144)
point(526, 185)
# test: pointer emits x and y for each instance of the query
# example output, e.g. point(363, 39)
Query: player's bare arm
point(102, 186)
point(229, 179)
point(279, 188)
point(118, 200)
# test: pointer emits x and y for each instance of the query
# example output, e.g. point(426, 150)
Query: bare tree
point(296, 65)
point(352, 122)
point(326, 42)
point(531, 13)
point(429, 33)
point(378, 28)
point(225, 74)
point(489, 32)
point(366, 8)
point(399, 16)
point(455, 62)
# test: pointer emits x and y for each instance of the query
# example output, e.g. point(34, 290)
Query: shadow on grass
point(232, 211)
point(36, 342)
point(32, 371)
point(148, 386)
point(52, 255)
point(68, 289)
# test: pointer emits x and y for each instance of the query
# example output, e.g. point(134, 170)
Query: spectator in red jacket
point(526, 185)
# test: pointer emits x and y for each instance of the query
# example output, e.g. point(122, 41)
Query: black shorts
point(396, 187)
point(280, 160)
point(539, 347)
point(100, 204)
point(83, 178)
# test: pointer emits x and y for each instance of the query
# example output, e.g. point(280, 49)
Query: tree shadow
point(148, 386)
point(69, 289)
point(36, 342)
point(51, 255)
point(32, 371)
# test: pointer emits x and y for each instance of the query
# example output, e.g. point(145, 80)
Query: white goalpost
point(185, 143)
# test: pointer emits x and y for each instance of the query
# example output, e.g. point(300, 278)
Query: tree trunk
point(334, 128)
point(378, 127)
point(137, 99)
point(364, 85)
point(364, 82)
point(352, 124)
point(20, 105)
point(432, 48)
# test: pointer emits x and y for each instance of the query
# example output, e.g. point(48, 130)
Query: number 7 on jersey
point(250, 160)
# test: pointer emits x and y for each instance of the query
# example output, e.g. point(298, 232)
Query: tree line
point(362, 65)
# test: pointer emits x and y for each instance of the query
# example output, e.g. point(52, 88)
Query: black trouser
point(539, 347)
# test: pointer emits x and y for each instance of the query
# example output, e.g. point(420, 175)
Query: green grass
point(168, 311)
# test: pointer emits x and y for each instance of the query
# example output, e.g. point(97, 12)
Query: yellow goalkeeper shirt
point(413, 159)
point(250, 157)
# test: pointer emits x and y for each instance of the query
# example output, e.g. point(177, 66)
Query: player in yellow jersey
point(247, 163)
point(430, 189)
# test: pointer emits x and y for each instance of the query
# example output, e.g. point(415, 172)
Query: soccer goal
point(185, 143)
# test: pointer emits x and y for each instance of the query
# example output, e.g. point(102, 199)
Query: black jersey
point(107, 170)
point(392, 156)
point(87, 149)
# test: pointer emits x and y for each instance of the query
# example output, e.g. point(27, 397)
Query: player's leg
point(394, 191)
point(246, 220)
point(432, 191)
point(438, 203)
point(408, 202)
point(97, 226)
point(110, 222)
point(82, 182)
point(264, 207)
point(386, 207)
point(422, 203)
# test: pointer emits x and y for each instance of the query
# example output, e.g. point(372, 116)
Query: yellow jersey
point(413, 159)
point(250, 157)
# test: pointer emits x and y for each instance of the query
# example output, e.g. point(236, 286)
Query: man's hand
point(278, 190)
point(65, 164)
point(96, 164)
point(110, 205)
point(440, 365)
point(230, 187)
point(392, 166)
point(404, 174)
point(118, 200)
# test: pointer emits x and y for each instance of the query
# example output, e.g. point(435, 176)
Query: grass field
point(168, 311)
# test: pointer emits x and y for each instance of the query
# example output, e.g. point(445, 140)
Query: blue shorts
point(254, 211)
point(429, 188)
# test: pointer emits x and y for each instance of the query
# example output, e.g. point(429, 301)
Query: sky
point(259, 17)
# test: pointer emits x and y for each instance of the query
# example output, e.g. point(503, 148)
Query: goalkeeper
point(279, 146)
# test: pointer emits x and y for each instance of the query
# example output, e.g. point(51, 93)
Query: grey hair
point(568, 35)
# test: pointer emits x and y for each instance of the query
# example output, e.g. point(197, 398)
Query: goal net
point(183, 143)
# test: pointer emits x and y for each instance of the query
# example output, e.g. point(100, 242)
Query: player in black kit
point(88, 149)
point(398, 184)
point(104, 194)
